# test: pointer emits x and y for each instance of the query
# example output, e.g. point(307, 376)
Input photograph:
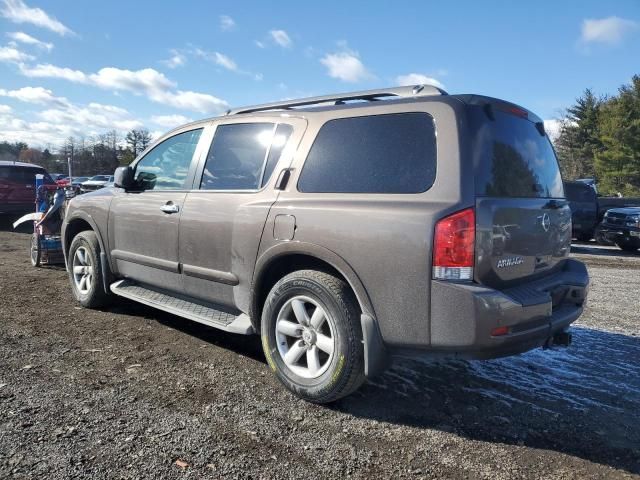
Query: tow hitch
point(559, 339)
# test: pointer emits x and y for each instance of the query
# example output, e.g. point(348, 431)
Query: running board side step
point(197, 312)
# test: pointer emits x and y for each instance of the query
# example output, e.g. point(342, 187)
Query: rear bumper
point(463, 316)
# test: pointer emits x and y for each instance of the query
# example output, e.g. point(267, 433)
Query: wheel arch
point(78, 223)
point(285, 258)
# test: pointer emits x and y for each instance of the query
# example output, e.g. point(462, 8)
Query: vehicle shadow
point(248, 346)
point(6, 224)
point(582, 401)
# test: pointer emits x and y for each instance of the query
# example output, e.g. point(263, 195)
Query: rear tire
point(312, 336)
point(584, 237)
point(85, 271)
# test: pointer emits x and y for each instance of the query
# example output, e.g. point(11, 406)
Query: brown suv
point(345, 230)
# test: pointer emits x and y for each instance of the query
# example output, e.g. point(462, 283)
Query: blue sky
point(69, 67)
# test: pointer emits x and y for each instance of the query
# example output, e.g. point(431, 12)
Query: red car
point(60, 179)
point(17, 186)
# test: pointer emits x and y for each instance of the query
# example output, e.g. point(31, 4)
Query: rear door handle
point(170, 207)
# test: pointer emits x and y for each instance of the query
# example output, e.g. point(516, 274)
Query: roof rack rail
point(337, 99)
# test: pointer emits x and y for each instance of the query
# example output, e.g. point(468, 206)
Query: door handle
point(170, 207)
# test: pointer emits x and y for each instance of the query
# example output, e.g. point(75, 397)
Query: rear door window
point(243, 155)
point(512, 158)
point(394, 153)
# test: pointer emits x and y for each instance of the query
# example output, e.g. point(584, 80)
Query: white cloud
point(52, 71)
point(194, 101)
point(260, 44)
point(281, 38)
point(110, 109)
point(225, 62)
point(345, 66)
point(610, 30)
point(12, 54)
point(5, 109)
point(18, 12)
point(157, 88)
point(89, 120)
point(177, 59)
point(170, 121)
point(37, 95)
point(417, 79)
point(227, 23)
point(29, 40)
point(147, 81)
point(552, 127)
point(61, 119)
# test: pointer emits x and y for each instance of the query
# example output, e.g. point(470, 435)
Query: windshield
point(101, 178)
point(512, 158)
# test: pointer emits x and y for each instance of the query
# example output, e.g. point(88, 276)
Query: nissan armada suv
point(345, 230)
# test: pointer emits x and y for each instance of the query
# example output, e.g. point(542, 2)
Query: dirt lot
point(127, 392)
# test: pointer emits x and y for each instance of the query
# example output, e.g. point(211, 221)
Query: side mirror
point(123, 178)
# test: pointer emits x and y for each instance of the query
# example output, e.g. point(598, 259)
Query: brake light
point(518, 112)
point(454, 246)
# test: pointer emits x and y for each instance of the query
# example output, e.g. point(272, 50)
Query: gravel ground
point(131, 392)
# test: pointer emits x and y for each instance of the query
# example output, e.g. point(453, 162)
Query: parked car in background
point(95, 183)
point(583, 201)
point(622, 227)
point(588, 208)
point(77, 181)
point(17, 186)
point(343, 232)
point(61, 179)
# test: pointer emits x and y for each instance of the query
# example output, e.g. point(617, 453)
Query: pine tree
point(579, 138)
point(618, 163)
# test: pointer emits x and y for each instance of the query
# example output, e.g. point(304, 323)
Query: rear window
point(579, 192)
point(511, 158)
point(393, 153)
point(26, 175)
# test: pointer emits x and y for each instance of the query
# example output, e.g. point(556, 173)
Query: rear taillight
point(453, 246)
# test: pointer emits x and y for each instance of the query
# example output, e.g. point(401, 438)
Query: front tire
point(85, 271)
point(627, 247)
point(312, 337)
point(35, 250)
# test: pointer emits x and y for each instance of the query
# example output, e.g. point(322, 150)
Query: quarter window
point(243, 155)
point(166, 166)
point(279, 141)
point(393, 153)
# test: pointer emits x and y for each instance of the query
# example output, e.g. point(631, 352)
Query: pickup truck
point(588, 208)
point(622, 227)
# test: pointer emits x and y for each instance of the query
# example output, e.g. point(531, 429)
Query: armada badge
point(510, 262)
